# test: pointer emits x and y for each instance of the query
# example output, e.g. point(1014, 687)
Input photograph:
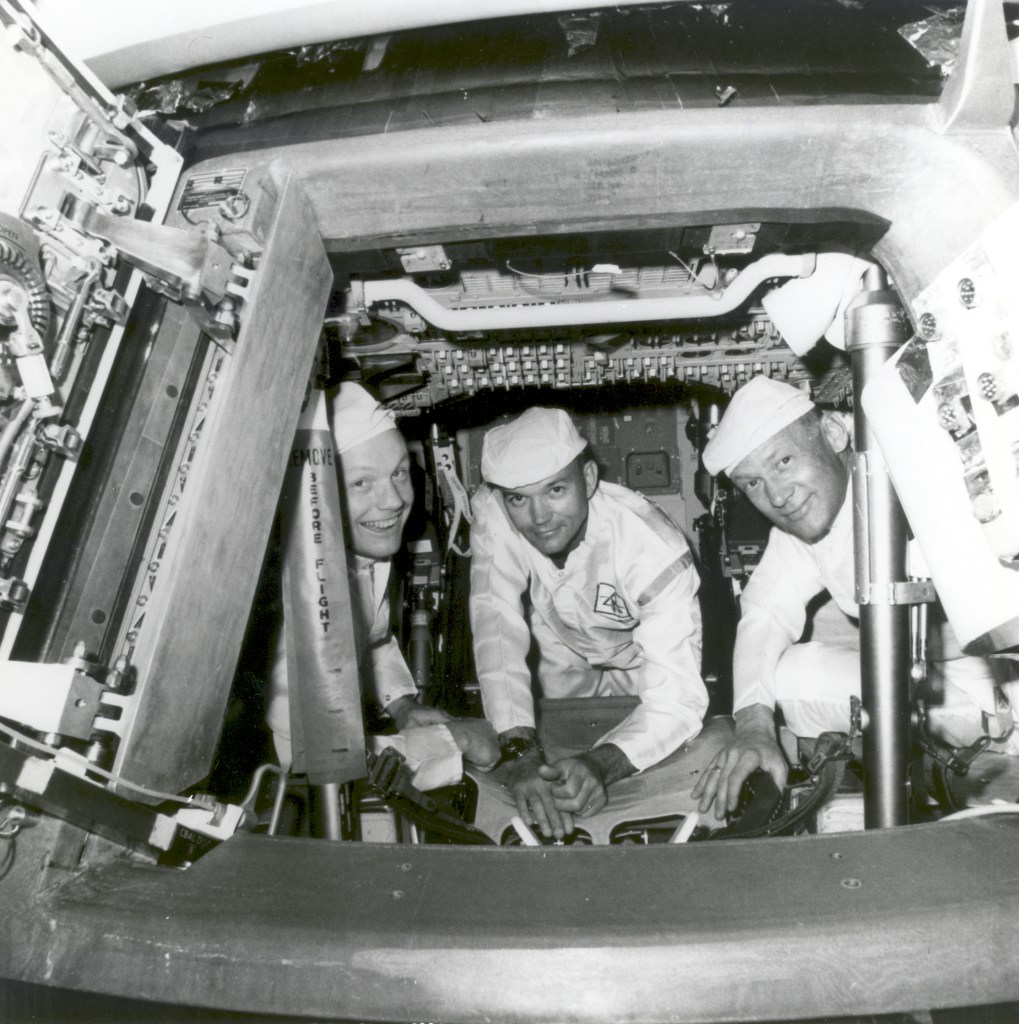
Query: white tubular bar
point(563, 314)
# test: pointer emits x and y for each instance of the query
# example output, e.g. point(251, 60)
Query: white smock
point(813, 682)
point(620, 618)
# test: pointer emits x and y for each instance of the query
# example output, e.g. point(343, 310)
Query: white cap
point(756, 413)
point(357, 417)
point(534, 446)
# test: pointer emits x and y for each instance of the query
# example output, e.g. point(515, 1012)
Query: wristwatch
point(516, 747)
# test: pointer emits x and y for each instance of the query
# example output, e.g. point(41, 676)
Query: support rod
point(875, 328)
point(327, 821)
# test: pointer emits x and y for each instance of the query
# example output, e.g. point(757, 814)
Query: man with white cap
point(793, 462)
point(377, 500)
point(601, 584)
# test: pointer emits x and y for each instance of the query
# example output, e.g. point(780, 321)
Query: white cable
point(683, 833)
point(461, 512)
point(527, 837)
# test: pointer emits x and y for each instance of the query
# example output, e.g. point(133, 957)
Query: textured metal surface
point(754, 930)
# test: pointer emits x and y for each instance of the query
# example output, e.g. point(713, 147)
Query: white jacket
point(624, 606)
point(774, 603)
point(791, 573)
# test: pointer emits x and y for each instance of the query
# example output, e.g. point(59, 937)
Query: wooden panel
point(196, 616)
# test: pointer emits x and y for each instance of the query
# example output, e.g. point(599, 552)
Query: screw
point(929, 326)
point(967, 292)
point(988, 384)
point(851, 883)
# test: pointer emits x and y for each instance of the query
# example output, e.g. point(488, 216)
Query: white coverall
point(621, 618)
point(812, 682)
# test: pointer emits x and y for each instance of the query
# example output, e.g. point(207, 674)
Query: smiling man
point(374, 470)
point(601, 585)
point(793, 462)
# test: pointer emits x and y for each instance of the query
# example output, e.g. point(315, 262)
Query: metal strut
point(876, 327)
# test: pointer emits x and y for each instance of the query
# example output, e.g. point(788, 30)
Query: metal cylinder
point(421, 648)
point(326, 819)
point(876, 327)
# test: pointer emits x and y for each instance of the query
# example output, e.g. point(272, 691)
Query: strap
point(769, 811)
point(663, 579)
point(389, 776)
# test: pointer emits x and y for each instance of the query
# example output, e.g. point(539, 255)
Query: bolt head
point(929, 326)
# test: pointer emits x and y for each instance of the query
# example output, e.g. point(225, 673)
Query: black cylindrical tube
point(876, 328)
point(421, 648)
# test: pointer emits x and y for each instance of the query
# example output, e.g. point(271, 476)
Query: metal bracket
point(50, 697)
point(901, 592)
point(107, 304)
point(62, 439)
point(14, 594)
point(190, 267)
point(732, 238)
point(419, 259)
point(114, 115)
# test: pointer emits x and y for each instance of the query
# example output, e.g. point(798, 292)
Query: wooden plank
point(196, 616)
